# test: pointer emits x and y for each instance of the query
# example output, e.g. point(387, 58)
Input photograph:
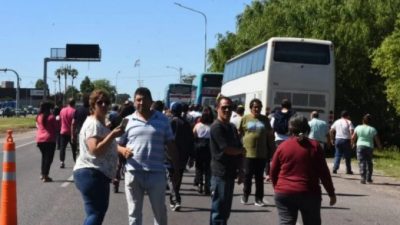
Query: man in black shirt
point(226, 155)
point(80, 115)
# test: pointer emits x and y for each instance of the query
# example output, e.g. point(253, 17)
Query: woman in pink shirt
point(46, 138)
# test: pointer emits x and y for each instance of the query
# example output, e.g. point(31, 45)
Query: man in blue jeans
point(226, 156)
point(341, 132)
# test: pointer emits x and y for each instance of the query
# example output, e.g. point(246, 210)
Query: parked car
point(7, 112)
point(20, 112)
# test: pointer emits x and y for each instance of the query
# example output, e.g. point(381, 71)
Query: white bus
point(298, 69)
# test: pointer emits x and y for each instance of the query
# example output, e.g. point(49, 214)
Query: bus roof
point(287, 39)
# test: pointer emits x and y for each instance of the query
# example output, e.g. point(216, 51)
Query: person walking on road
point(184, 141)
point(97, 161)
point(125, 110)
point(226, 156)
point(80, 115)
point(319, 130)
point(258, 139)
point(201, 133)
point(297, 168)
point(46, 138)
point(340, 133)
point(147, 133)
point(66, 117)
point(364, 136)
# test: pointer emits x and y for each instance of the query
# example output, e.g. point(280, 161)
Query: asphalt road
point(60, 203)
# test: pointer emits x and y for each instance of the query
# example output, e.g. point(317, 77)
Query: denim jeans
point(364, 155)
point(289, 205)
point(342, 149)
point(221, 197)
point(153, 183)
point(95, 189)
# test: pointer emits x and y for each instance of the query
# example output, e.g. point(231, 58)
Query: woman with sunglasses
point(97, 161)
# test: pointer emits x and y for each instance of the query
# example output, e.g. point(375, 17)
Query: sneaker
point(62, 165)
point(244, 199)
point(350, 172)
point(370, 181)
point(176, 207)
point(362, 181)
point(334, 171)
point(200, 189)
point(47, 179)
point(260, 203)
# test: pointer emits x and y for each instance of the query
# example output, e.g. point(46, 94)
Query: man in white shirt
point(237, 115)
point(341, 132)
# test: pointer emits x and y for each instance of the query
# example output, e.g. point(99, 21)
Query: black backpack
point(281, 122)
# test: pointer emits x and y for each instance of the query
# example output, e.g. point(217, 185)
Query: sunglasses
point(226, 107)
point(101, 102)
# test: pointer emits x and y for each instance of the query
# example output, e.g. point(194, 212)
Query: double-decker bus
point(208, 88)
point(298, 69)
point(179, 93)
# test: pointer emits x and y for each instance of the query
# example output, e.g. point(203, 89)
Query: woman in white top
point(201, 133)
point(96, 164)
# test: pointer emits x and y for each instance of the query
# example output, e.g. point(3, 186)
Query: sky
point(158, 33)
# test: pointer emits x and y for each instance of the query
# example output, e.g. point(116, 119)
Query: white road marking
point(29, 143)
point(69, 181)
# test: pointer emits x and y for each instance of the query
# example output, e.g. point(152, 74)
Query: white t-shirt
point(106, 162)
point(343, 128)
point(202, 130)
point(235, 119)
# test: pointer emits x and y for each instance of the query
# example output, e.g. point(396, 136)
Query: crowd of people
point(151, 145)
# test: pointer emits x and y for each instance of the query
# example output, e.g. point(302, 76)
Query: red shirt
point(66, 116)
point(46, 133)
point(297, 168)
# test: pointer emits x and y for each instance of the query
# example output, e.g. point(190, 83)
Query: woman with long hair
point(297, 168)
point(97, 161)
point(201, 133)
point(46, 138)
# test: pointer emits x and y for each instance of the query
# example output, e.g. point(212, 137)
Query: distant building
point(7, 84)
point(27, 96)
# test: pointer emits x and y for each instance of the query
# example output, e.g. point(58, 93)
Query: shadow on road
point(332, 207)
point(348, 195)
point(386, 184)
point(198, 209)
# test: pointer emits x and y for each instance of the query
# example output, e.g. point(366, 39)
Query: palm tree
point(66, 71)
point(58, 73)
point(73, 73)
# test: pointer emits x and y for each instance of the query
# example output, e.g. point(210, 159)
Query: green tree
point(72, 92)
point(40, 84)
point(386, 59)
point(121, 98)
point(356, 28)
point(86, 86)
point(106, 86)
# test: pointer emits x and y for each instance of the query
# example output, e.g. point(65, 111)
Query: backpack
point(281, 122)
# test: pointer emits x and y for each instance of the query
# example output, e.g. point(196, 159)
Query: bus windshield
point(299, 52)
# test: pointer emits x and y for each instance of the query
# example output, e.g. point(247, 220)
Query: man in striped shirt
point(143, 144)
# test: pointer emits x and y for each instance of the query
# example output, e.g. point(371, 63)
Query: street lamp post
point(177, 69)
point(116, 85)
point(205, 30)
point(17, 92)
